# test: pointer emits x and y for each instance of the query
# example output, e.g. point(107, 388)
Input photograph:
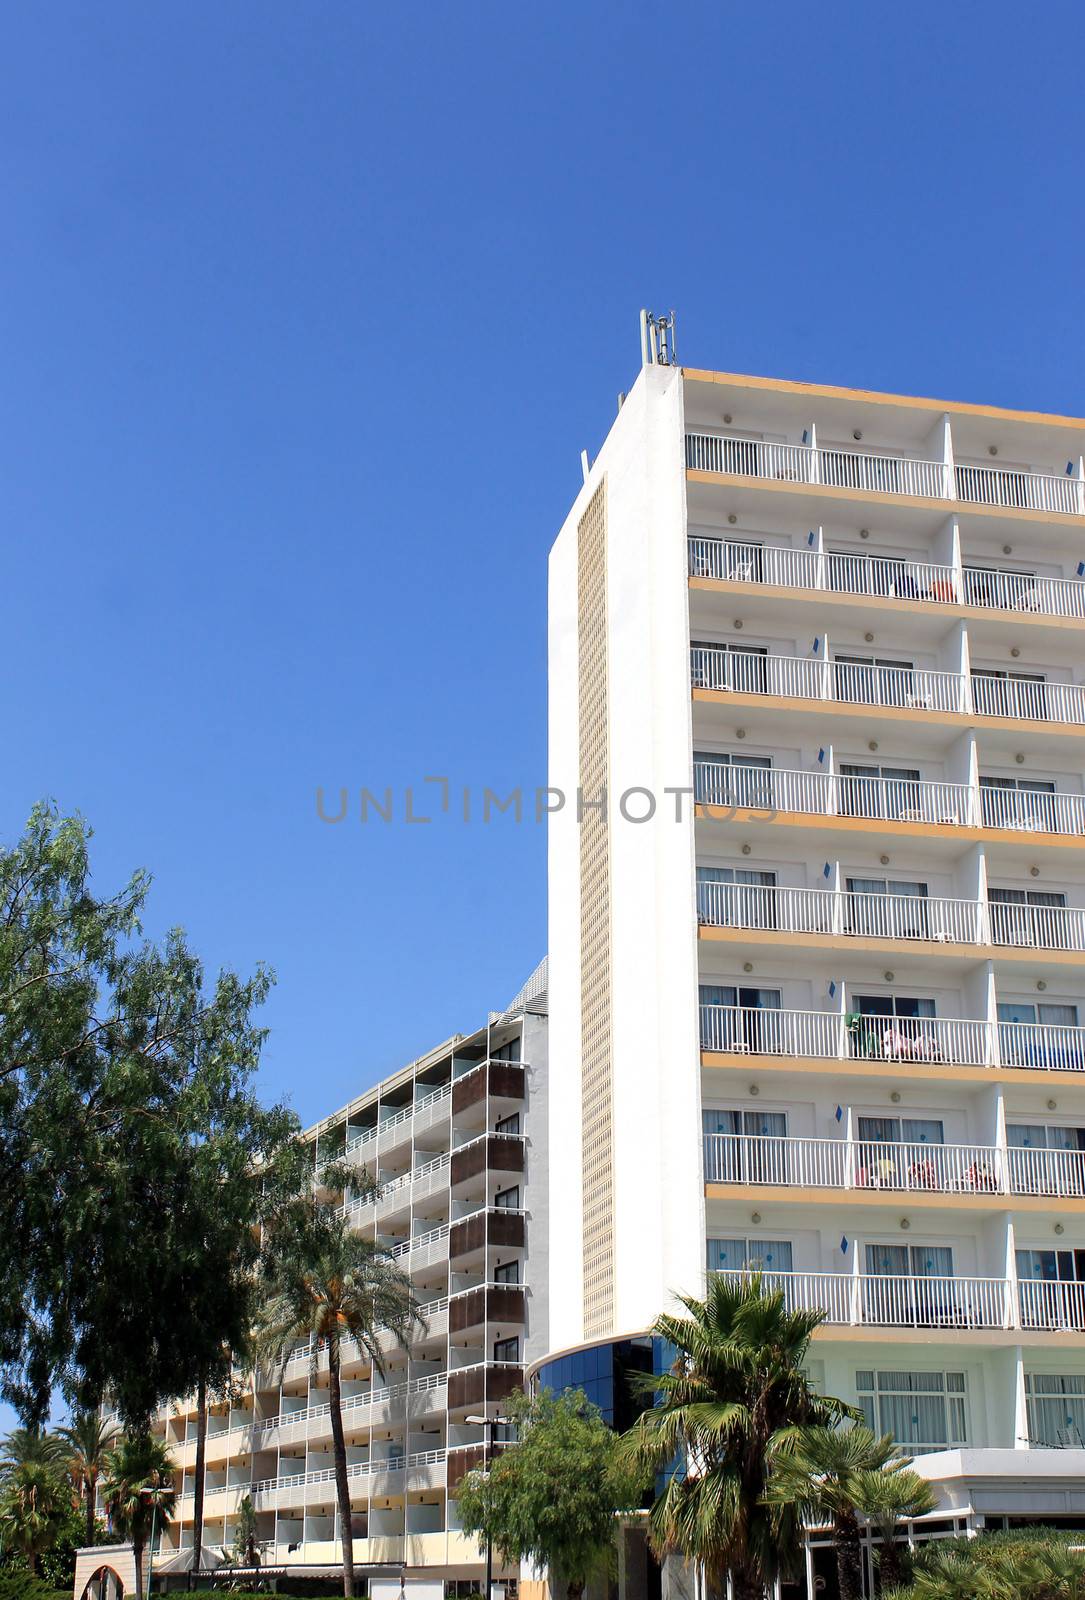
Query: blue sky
point(307, 311)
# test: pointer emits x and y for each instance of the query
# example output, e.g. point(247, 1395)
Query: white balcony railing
point(1030, 811)
point(780, 909)
point(1037, 927)
point(823, 794)
point(1045, 1046)
point(1015, 591)
point(841, 469)
point(893, 1302)
point(973, 1169)
point(825, 1035)
point(1023, 491)
point(811, 678)
point(738, 671)
point(746, 1031)
point(1054, 1305)
point(1035, 698)
point(884, 474)
point(882, 577)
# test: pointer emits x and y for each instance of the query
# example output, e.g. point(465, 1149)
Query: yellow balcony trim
point(914, 714)
point(911, 1199)
point(890, 1071)
point(879, 827)
point(782, 939)
point(829, 391)
point(887, 603)
point(880, 497)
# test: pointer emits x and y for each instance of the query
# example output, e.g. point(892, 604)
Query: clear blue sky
point(306, 312)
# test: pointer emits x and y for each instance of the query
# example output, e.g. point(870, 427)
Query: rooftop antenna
point(657, 340)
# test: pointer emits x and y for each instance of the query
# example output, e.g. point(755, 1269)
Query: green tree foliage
point(87, 1441)
point(139, 1492)
point(1032, 1564)
point(555, 1497)
point(245, 1551)
point(726, 1411)
point(134, 1157)
point(829, 1475)
point(323, 1282)
point(888, 1498)
point(35, 1505)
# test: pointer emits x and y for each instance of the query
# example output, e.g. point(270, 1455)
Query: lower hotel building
point(817, 926)
point(457, 1144)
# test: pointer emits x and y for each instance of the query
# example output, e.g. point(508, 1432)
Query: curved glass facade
point(606, 1373)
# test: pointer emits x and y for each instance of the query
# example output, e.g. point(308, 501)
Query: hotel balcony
point(954, 1304)
point(845, 913)
point(811, 678)
point(831, 1036)
point(884, 578)
point(872, 473)
point(724, 786)
point(864, 1168)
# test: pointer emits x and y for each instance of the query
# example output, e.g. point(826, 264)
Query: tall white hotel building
point(828, 1019)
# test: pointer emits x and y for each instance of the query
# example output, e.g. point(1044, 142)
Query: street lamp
point(489, 1423)
point(151, 1491)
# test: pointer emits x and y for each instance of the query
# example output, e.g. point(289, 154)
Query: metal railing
point(882, 577)
point(812, 678)
point(826, 1035)
point(1048, 1047)
point(840, 469)
point(1037, 927)
point(1031, 810)
point(1015, 591)
point(1036, 699)
point(1055, 1305)
point(824, 794)
point(746, 1030)
point(1023, 491)
point(908, 1167)
point(781, 909)
point(884, 474)
point(894, 1302)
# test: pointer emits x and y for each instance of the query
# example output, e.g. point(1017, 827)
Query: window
point(1056, 1409)
point(874, 680)
point(997, 693)
point(999, 586)
point(1029, 917)
point(1033, 1035)
point(895, 1027)
point(901, 1130)
point(734, 1018)
point(1052, 1288)
point(859, 572)
point(508, 1199)
point(755, 1255)
point(735, 897)
point(507, 1272)
point(922, 1410)
point(739, 668)
point(753, 1148)
point(876, 791)
point(882, 908)
point(509, 1124)
point(729, 780)
point(1023, 803)
point(912, 1286)
point(507, 1052)
point(1045, 1158)
point(507, 1349)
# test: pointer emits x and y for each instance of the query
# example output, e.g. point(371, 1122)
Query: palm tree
point(825, 1475)
point(729, 1405)
point(139, 1492)
point(887, 1498)
point(31, 1447)
point(325, 1283)
point(245, 1533)
point(34, 1502)
point(89, 1442)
